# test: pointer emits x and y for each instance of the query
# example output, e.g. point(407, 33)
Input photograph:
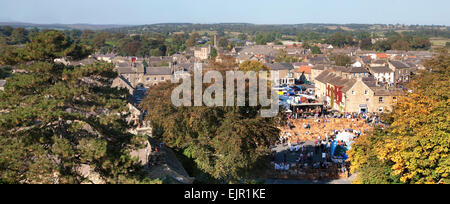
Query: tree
point(253, 66)
point(366, 44)
point(337, 39)
point(6, 30)
point(61, 119)
point(342, 60)
point(213, 53)
point(223, 42)
point(415, 147)
point(19, 36)
point(99, 40)
point(131, 48)
point(192, 41)
point(45, 46)
point(284, 57)
point(242, 36)
point(401, 44)
point(315, 50)
point(226, 143)
point(5, 72)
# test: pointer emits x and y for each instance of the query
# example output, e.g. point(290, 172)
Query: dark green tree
point(226, 143)
point(316, 50)
point(60, 122)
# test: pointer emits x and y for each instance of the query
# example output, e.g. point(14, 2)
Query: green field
point(439, 42)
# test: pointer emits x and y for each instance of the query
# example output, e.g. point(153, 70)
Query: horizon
point(257, 24)
point(283, 12)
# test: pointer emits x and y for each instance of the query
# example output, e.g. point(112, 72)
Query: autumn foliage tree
point(415, 148)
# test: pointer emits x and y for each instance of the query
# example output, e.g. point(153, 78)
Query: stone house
point(383, 74)
point(316, 70)
point(202, 53)
point(285, 72)
point(402, 71)
point(356, 95)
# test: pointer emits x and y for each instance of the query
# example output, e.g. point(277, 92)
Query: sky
point(138, 12)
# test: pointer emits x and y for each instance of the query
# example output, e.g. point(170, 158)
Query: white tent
point(345, 136)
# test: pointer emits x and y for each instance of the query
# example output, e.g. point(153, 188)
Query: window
point(367, 99)
point(353, 93)
point(366, 92)
point(148, 78)
point(380, 99)
point(155, 79)
point(162, 78)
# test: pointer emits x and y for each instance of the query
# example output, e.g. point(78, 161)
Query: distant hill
point(61, 26)
point(287, 29)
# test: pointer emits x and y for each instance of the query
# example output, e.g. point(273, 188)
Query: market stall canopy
point(345, 136)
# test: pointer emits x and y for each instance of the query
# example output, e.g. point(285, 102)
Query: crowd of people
point(310, 139)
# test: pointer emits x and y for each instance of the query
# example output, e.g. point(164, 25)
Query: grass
point(439, 41)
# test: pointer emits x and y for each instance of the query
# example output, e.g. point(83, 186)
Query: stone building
point(137, 75)
point(402, 71)
point(356, 95)
point(202, 53)
point(383, 74)
point(285, 72)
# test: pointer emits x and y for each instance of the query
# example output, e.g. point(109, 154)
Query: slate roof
point(319, 60)
point(381, 69)
point(159, 71)
point(370, 82)
point(381, 91)
point(379, 62)
point(125, 70)
point(318, 67)
point(299, 64)
point(358, 70)
point(280, 66)
point(327, 77)
point(258, 50)
point(399, 65)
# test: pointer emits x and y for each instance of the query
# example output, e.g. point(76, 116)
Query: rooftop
point(280, 66)
point(159, 71)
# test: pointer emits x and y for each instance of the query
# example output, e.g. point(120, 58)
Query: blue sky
point(227, 11)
